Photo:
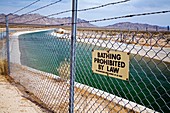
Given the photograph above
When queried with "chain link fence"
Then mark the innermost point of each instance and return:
(38, 57)
(40, 61)
(37, 60)
(147, 89)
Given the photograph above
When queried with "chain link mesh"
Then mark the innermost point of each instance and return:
(44, 69)
(147, 89)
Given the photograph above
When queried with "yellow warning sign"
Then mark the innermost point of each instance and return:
(111, 63)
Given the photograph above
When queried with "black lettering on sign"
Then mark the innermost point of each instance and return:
(118, 56)
(109, 56)
(122, 64)
(112, 69)
(96, 60)
(100, 67)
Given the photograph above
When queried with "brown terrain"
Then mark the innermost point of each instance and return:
(154, 39)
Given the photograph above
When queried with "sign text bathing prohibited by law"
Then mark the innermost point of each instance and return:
(111, 63)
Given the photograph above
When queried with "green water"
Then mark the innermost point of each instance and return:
(149, 83)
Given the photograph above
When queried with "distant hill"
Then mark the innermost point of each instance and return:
(44, 20)
(56, 21)
(135, 26)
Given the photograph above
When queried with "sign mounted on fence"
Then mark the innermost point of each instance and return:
(111, 63)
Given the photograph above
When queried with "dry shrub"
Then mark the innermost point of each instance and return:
(64, 70)
(1, 44)
(3, 67)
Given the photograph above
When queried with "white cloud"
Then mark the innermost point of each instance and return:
(132, 7)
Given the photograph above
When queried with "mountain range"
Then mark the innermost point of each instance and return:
(136, 26)
(39, 19)
(42, 20)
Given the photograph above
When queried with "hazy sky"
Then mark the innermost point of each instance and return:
(132, 7)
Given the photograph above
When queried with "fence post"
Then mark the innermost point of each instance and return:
(7, 42)
(73, 55)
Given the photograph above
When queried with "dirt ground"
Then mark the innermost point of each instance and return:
(14, 98)
(54, 93)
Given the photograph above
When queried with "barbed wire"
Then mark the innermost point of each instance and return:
(131, 15)
(105, 19)
(48, 16)
(21, 9)
(104, 5)
(125, 16)
(91, 8)
(85, 9)
(37, 9)
(26, 7)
